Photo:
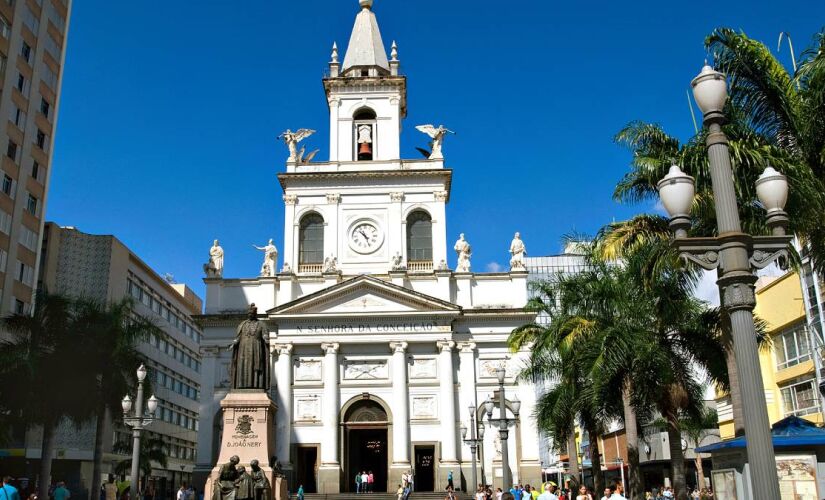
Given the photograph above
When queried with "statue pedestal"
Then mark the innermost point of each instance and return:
(249, 433)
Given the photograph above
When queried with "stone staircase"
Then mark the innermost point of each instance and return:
(416, 495)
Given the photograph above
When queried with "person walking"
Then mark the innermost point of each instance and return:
(549, 492)
(61, 492)
(400, 492)
(370, 481)
(364, 480)
(358, 482)
(8, 491)
(583, 494)
(450, 480)
(301, 492)
(618, 492)
(181, 495)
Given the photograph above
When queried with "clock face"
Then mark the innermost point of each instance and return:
(365, 237)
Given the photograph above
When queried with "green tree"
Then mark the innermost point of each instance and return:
(153, 450)
(694, 430)
(111, 333)
(42, 377)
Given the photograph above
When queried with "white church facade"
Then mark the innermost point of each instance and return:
(379, 350)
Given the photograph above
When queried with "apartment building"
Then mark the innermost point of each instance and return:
(32, 53)
(103, 268)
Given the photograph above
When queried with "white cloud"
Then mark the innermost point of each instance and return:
(494, 267)
(706, 289)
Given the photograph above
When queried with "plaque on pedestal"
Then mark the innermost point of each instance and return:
(244, 471)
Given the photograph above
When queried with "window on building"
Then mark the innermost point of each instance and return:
(4, 257)
(28, 238)
(419, 237)
(311, 240)
(792, 346)
(5, 27)
(45, 107)
(25, 274)
(36, 171)
(5, 222)
(26, 52)
(8, 184)
(19, 307)
(41, 140)
(51, 46)
(800, 398)
(31, 204)
(23, 84)
(49, 77)
(17, 116)
(30, 20)
(11, 150)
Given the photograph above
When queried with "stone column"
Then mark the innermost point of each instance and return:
(448, 415)
(466, 398)
(283, 381)
(400, 413)
(329, 471)
(290, 257)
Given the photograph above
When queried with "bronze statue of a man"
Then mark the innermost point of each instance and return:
(250, 368)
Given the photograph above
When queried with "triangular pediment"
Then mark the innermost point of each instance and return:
(364, 295)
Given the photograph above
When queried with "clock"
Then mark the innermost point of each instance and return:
(365, 237)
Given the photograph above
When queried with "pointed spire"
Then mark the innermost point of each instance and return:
(394, 52)
(334, 53)
(366, 48)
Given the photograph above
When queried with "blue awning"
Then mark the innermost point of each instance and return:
(788, 432)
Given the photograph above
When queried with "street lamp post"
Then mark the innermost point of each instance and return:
(503, 424)
(137, 423)
(473, 441)
(735, 254)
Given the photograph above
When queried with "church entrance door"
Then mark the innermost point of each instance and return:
(307, 469)
(424, 474)
(365, 444)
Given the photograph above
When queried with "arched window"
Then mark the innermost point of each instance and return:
(311, 240)
(419, 237)
(364, 132)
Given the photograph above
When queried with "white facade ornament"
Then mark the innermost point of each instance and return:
(333, 198)
(287, 269)
(334, 57)
(366, 370)
(394, 52)
(440, 195)
(437, 135)
(398, 263)
(399, 346)
(292, 139)
(270, 266)
(464, 251)
(214, 268)
(517, 253)
(330, 348)
(445, 345)
(331, 264)
(290, 199)
(364, 134)
(397, 197)
(442, 266)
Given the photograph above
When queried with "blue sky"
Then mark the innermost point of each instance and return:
(169, 112)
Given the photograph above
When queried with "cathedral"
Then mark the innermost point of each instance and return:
(384, 344)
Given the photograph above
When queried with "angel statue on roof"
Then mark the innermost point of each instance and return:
(292, 139)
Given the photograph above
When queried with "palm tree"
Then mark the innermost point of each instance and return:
(40, 375)
(112, 333)
(153, 450)
(694, 430)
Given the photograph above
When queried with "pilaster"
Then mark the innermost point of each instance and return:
(401, 414)
(447, 397)
(329, 473)
(290, 229)
(283, 382)
(464, 289)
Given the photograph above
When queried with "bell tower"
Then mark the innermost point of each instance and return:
(366, 96)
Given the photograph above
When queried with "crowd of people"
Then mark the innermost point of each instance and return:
(551, 491)
(10, 490)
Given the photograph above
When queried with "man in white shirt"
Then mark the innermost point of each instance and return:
(549, 493)
(618, 491)
(607, 494)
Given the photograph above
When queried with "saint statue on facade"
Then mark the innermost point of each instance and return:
(214, 268)
(398, 262)
(270, 265)
(437, 134)
(464, 251)
(331, 264)
(517, 253)
(292, 139)
(250, 366)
